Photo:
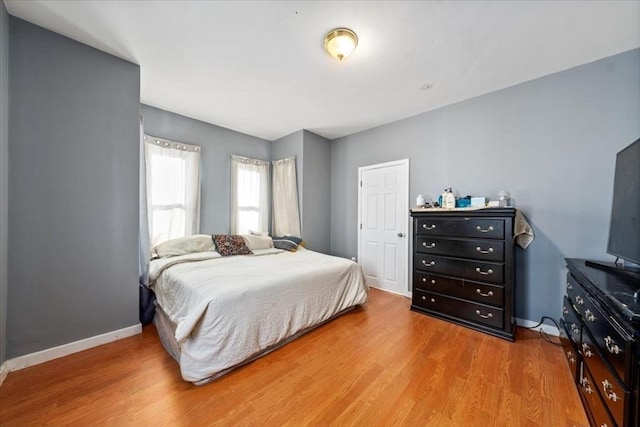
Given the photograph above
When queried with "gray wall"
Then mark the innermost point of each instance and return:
(313, 169)
(313, 172)
(550, 142)
(287, 146)
(73, 192)
(4, 173)
(316, 191)
(217, 145)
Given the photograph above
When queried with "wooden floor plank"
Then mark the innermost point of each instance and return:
(379, 365)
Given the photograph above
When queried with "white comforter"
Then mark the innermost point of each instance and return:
(228, 309)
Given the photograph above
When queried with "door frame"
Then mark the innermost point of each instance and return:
(405, 243)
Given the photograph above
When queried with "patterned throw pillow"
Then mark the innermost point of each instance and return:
(231, 244)
(288, 243)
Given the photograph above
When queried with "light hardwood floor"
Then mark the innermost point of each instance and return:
(379, 365)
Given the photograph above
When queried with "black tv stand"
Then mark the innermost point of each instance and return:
(601, 304)
(613, 268)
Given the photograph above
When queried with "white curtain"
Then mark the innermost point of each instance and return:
(286, 217)
(249, 195)
(173, 188)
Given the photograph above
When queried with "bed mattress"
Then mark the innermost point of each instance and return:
(220, 312)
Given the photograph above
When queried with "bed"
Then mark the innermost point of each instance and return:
(215, 313)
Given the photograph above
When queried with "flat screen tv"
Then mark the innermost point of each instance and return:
(624, 228)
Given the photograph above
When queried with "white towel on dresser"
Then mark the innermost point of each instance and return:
(522, 231)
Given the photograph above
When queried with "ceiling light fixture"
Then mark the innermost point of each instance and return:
(340, 42)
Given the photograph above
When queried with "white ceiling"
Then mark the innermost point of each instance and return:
(258, 67)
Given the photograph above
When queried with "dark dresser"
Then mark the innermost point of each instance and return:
(599, 332)
(463, 268)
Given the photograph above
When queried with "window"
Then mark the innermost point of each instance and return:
(249, 195)
(173, 189)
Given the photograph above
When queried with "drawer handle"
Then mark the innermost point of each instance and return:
(589, 315)
(586, 350)
(607, 387)
(433, 281)
(484, 316)
(484, 230)
(575, 329)
(579, 300)
(431, 245)
(424, 298)
(488, 251)
(430, 264)
(569, 286)
(564, 310)
(611, 345)
(584, 382)
(424, 280)
(431, 227)
(486, 273)
(433, 300)
(488, 294)
(571, 357)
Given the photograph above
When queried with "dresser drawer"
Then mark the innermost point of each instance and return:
(468, 269)
(576, 294)
(614, 394)
(483, 293)
(485, 228)
(614, 344)
(572, 322)
(616, 347)
(465, 310)
(484, 250)
(570, 351)
(589, 393)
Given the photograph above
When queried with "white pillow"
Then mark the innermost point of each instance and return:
(257, 242)
(185, 245)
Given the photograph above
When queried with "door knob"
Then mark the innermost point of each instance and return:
(400, 235)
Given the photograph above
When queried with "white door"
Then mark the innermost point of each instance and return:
(383, 211)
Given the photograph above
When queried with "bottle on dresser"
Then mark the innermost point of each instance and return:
(449, 200)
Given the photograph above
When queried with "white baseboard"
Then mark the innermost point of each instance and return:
(66, 349)
(547, 328)
(3, 372)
